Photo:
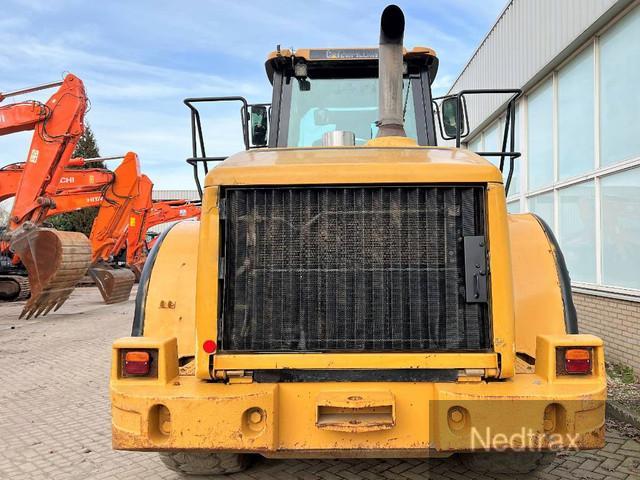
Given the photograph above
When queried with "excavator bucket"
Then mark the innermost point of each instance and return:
(55, 262)
(115, 284)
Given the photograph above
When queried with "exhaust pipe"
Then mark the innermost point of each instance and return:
(390, 68)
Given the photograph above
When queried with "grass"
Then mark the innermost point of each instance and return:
(621, 372)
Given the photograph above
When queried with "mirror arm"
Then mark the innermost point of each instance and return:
(458, 119)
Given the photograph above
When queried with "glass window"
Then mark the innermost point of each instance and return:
(513, 207)
(542, 205)
(351, 104)
(577, 226)
(576, 116)
(493, 138)
(493, 141)
(619, 99)
(620, 204)
(515, 178)
(475, 145)
(540, 136)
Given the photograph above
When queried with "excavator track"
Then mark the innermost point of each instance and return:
(14, 288)
(114, 284)
(55, 262)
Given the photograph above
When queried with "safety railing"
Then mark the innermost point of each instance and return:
(462, 126)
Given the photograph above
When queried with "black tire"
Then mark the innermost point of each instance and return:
(506, 462)
(204, 463)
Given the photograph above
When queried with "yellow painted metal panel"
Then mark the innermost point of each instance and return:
(218, 416)
(502, 316)
(538, 300)
(353, 165)
(170, 304)
(207, 279)
(356, 360)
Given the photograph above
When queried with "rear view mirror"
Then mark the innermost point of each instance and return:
(259, 122)
(450, 106)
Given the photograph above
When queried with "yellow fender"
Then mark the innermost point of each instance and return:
(166, 299)
(543, 304)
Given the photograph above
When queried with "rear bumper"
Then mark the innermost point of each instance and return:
(349, 419)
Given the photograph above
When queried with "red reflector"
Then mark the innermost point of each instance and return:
(577, 360)
(137, 363)
(209, 346)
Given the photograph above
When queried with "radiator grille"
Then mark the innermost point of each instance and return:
(350, 268)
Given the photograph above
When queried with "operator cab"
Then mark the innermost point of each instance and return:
(319, 92)
(316, 91)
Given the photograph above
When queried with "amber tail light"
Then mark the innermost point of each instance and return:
(574, 361)
(138, 363)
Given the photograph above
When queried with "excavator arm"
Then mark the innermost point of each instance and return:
(136, 231)
(109, 230)
(55, 261)
(57, 126)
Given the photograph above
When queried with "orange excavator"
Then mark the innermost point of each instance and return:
(55, 261)
(109, 230)
(82, 189)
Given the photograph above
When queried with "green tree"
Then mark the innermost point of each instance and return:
(81, 220)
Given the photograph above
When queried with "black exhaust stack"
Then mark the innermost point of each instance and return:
(390, 69)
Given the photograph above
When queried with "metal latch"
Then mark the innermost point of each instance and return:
(475, 269)
(239, 376)
(221, 268)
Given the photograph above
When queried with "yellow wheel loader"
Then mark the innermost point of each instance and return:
(354, 290)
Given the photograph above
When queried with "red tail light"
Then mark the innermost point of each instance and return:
(137, 364)
(209, 346)
(577, 361)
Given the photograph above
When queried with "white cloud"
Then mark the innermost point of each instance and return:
(139, 60)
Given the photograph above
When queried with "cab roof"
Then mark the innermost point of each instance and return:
(361, 61)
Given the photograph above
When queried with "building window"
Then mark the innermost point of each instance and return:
(583, 169)
(490, 140)
(619, 207)
(475, 145)
(619, 98)
(577, 230)
(576, 144)
(493, 141)
(542, 205)
(540, 136)
(514, 188)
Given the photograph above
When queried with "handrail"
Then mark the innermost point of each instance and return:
(197, 135)
(462, 126)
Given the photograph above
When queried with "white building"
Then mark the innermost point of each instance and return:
(578, 128)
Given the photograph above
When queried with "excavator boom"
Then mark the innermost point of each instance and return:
(55, 261)
(57, 129)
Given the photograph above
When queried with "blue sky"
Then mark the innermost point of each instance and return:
(140, 59)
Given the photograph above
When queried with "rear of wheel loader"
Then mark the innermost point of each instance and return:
(355, 293)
